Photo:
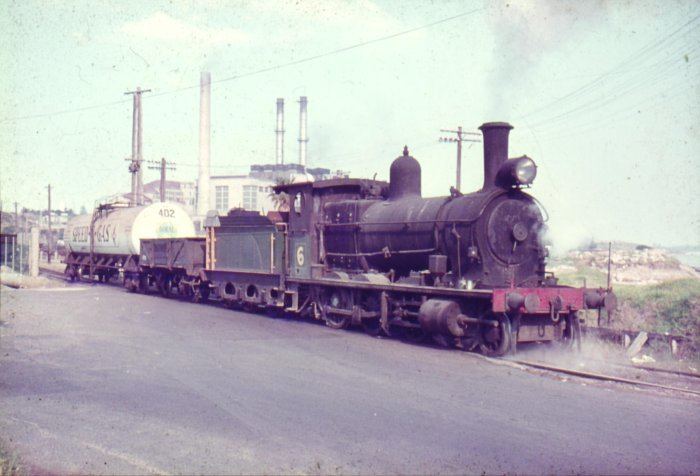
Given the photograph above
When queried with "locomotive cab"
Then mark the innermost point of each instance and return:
(308, 201)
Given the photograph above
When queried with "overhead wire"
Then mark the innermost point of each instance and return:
(648, 48)
(616, 93)
(252, 73)
(665, 71)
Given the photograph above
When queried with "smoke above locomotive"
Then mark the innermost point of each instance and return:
(119, 231)
(488, 238)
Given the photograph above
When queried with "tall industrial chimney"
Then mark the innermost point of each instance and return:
(303, 138)
(279, 151)
(495, 149)
(204, 143)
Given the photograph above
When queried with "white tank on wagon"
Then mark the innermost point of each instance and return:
(118, 231)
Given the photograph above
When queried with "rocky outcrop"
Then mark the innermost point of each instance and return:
(640, 265)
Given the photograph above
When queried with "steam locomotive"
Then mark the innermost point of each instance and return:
(467, 270)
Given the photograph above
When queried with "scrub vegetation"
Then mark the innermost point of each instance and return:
(668, 307)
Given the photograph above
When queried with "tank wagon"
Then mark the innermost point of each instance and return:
(467, 270)
(109, 240)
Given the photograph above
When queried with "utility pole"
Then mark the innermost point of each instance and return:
(50, 236)
(136, 143)
(460, 138)
(162, 166)
(16, 220)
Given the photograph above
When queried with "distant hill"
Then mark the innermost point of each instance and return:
(630, 263)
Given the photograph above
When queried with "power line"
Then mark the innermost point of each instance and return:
(619, 91)
(259, 71)
(654, 45)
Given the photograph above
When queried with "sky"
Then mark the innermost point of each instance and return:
(603, 95)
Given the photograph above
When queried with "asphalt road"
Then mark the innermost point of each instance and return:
(95, 380)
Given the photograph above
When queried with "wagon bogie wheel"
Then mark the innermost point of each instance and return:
(144, 284)
(495, 341)
(165, 286)
(339, 299)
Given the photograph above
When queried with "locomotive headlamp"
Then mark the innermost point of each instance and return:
(516, 172)
(525, 170)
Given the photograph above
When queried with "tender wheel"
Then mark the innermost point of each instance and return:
(144, 285)
(201, 293)
(339, 299)
(496, 341)
(131, 284)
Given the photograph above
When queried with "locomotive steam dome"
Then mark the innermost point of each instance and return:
(404, 177)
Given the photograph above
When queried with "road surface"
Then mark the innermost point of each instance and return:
(96, 380)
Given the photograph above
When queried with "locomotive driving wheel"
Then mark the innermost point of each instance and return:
(371, 325)
(571, 335)
(340, 299)
(413, 333)
(496, 340)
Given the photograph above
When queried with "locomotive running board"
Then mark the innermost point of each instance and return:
(394, 287)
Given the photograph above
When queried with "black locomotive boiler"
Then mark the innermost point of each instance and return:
(467, 270)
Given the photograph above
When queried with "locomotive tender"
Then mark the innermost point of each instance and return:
(467, 270)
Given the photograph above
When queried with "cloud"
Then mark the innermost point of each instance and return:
(162, 27)
(364, 15)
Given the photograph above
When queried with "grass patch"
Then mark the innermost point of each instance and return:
(594, 278)
(671, 306)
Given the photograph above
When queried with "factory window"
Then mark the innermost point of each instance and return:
(222, 198)
(250, 197)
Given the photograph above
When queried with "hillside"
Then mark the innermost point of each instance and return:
(629, 264)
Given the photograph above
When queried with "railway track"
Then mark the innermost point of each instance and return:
(692, 378)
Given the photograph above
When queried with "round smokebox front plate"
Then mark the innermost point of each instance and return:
(513, 229)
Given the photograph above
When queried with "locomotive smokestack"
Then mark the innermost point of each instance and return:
(303, 139)
(495, 149)
(204, 143)
(279, 150)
